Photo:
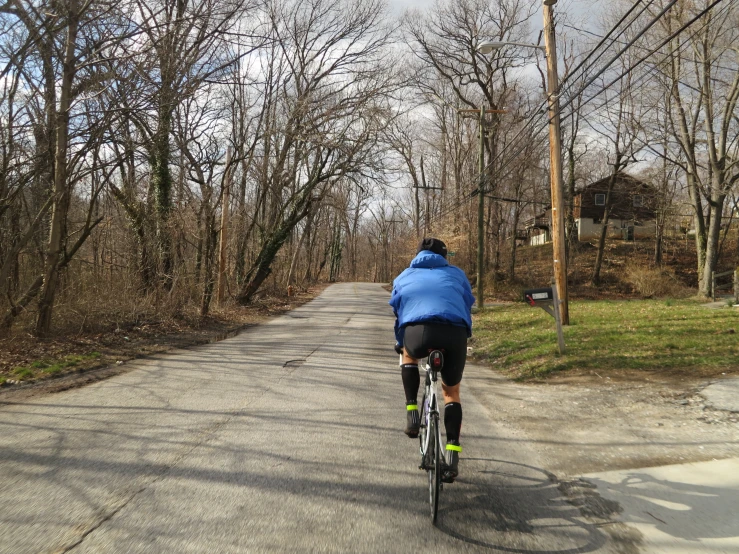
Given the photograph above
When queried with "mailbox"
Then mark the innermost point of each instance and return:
(546, 299)
(534, 296)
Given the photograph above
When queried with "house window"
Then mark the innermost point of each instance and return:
(600, 199)
(638, 201)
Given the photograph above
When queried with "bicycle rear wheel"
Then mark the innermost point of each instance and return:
(434, 471)
(423, 431)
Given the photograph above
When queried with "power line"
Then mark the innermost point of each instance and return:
(652, 51)
(587, 32)
(603, 89)
(589, 82)
(571, 76)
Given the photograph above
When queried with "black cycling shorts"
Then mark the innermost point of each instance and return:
(419, 338)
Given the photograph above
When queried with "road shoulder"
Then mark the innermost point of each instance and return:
(597, 434)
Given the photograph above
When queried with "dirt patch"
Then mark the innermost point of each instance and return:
(679, 377)
(582, 424)
(80, 359)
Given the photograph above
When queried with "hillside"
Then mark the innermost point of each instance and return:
(628, 270)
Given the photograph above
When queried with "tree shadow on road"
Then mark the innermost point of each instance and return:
(512, 507)
(686, 511)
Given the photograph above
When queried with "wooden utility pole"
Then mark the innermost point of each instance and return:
(555, 164)
(480, 300)
(222, 258)
(481, 215)
(426, 216)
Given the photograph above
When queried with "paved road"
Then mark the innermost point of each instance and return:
(723, 394)
(286, 438)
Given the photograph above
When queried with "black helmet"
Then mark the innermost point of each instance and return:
(434, 245)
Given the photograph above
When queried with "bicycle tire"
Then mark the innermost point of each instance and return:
(434, 471)
(422, 431)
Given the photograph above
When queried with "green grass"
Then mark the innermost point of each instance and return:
(23, 372)
(40, 368)
(652, 335)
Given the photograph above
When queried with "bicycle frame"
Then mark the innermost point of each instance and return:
(429, 409)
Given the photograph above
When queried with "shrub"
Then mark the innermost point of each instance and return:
(652, 282)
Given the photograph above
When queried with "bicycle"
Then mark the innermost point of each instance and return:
(430, 432)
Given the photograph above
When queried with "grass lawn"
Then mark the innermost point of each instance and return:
(670, 336)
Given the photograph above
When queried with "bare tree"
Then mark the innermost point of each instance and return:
(66, 42)
(324, 117)
(703, 83)
(618, 122)
(445, 41)
(180, 45)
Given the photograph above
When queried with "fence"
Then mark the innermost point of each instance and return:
(725, 286)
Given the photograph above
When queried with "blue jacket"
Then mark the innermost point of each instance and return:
(431, 290)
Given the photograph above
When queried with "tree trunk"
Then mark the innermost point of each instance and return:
(512, 265)
(335, 254)
(210, 241)
(570, 221)
(699, 223)
(162, 184)
(262, 266)
(20, 304)
(595, 280)
(712, 244)
(296, 254)
(57, 228)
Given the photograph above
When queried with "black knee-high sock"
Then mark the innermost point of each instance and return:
(453, 421)
(411, 381)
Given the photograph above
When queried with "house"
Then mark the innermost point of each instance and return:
(632, 212)
(632, 209)
(538, 229)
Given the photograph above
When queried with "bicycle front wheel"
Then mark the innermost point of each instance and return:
(434, 471)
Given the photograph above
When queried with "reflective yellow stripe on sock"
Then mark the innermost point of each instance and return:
(454, 447)
(410, 407)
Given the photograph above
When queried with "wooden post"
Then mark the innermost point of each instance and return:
(555, 163)
(736, 285)
(557, 305)
(222, 257)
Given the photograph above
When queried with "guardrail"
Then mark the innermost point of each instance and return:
(727, 286)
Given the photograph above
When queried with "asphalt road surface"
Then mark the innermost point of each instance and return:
(286, 438)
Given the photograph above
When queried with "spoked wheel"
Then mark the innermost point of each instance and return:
(434, 466)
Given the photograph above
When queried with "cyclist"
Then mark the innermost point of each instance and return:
(432, 300)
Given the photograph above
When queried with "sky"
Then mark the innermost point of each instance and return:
(582, 14)
(584, 10)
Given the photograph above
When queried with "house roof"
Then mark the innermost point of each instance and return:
(623, 181)
(623, 199)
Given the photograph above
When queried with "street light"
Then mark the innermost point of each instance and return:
(488, 46)
(555, 152)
